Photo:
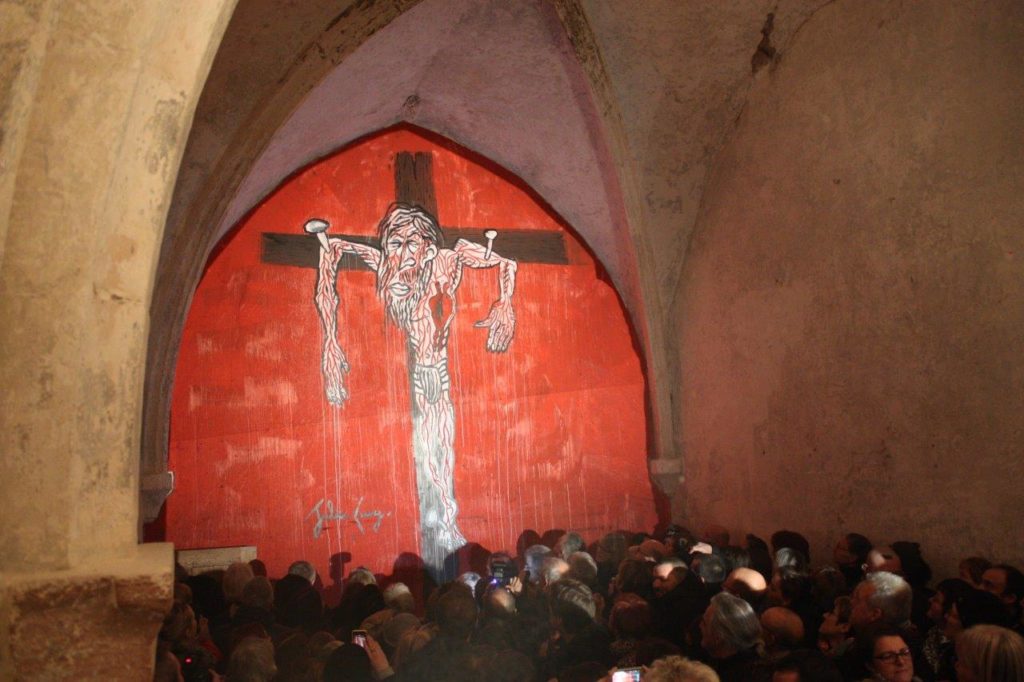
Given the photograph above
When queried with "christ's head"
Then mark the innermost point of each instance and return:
(410, 239)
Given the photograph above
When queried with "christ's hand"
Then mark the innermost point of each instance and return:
(502, 323)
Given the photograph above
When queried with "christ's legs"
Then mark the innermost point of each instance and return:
(434, 454)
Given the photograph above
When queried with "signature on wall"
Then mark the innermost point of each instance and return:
(324, 512)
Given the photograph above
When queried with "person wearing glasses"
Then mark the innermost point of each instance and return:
(886, 657)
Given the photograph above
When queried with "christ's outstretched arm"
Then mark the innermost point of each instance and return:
(334, 365)
(501, 320)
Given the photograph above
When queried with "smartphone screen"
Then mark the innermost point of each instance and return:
(626, 675)
(359, 638)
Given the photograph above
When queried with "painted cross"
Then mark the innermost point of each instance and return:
(417, 279)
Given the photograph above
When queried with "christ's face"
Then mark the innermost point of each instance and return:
(404, 272)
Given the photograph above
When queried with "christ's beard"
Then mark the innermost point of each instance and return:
(402, 309)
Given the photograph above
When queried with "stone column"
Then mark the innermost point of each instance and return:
(96, 98)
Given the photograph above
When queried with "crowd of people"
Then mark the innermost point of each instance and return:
(631, 606)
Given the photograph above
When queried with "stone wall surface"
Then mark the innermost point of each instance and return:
(851, 308)
(97, 98)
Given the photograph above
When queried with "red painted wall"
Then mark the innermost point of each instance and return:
(550, 434)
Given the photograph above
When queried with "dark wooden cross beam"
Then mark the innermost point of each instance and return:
(414, 184)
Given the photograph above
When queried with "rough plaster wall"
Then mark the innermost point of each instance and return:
(852, 305)
(678, 75)
(101, 126)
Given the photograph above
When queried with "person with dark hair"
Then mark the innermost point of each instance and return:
(633, 577)
(850, 555)
(976, 607)
(629, 622)
(972, 569)
(791, 588)
(885, 655)
(610, 551)
(1007, 583)
(734, 557)
(348, 663)
(760, 557)
(679, 600)
(937, 649)
(792, 540)
(835, 627)
(711, 570)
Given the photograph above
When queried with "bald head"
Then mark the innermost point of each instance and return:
(782, 628)
(746, 583)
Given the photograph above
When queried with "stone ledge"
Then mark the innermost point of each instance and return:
(95, 621)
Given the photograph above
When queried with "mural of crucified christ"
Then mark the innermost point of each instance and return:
(417, 279)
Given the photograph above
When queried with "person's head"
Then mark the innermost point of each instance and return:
(252, 660)
(179, 625)
(303, 569)
(456, 614)
(668, 574)
(782, 628)
(835, 626)
(399, 597)
(882, 558)
(236, 577)
(734, 557)
(1007, 583)
(533, 557)
(348, 663)
(361, 576)
(258, 594)
(972, 568)
(729, 626)
(885, 654)
(915, 569)
(679, 669)
(827, 584)
(258, 567)
(567, 544)
(572, 605)
(711, 570)
(499, 603)
(788, 558)
(747, 584)
(634, 576)
(792, 540)
(788, 586)
(986, 653)
(630, 617)
(880, 598)
(611, 549)
(582, 567)
(946, 594)
(553, 569)
(410, 239)
(976, 607)
(851, 550)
